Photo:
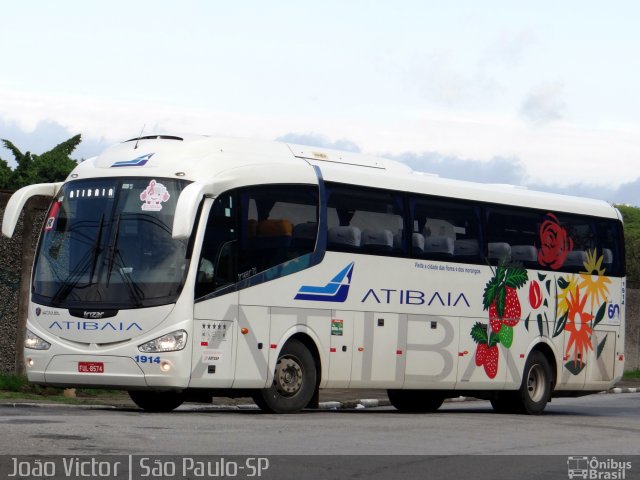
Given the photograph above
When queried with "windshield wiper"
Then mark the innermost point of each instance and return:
(89, 258)
(134, 290)
(113, 248)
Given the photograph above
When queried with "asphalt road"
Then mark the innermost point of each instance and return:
(462, 440)
(603, 424)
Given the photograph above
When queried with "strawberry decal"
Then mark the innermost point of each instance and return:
(501, 297)
(487, 353)
(501, 300)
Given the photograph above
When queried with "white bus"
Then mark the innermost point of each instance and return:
(180, 268)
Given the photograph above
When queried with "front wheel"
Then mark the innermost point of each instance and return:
(535, 391)
(415, 401)
(152, 401)
(294, 381)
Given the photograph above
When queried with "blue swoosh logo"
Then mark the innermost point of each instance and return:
(336, 290)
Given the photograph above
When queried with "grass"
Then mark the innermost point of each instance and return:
(631, 374)
(17, 387)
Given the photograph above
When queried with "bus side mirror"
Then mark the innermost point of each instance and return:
(18, 199)
(187, 209)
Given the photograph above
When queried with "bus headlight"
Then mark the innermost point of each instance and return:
(34, 342)
(170, 342)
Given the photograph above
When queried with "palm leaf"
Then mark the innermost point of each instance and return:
(479, 333)
(599, 315)
(516, 277)
(601, 347)
(575, 367)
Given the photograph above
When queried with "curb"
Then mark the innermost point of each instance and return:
(360, 404)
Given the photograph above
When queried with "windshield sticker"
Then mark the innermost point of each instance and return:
(153, 196)
(53, 214)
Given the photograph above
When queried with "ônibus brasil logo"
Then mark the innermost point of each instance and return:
(335, 291)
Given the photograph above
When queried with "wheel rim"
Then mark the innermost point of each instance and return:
(536, 383)
(288, 378)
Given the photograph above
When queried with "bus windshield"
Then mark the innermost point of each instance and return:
(107, 243)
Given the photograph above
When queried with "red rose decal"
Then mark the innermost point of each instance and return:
(554, 243)
(535, 296)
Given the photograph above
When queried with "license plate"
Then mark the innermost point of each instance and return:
(91, 367)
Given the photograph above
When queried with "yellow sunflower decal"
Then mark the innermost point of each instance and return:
(578, 327)
(592, 281)
(563, 294)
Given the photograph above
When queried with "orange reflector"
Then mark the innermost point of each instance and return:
(244, 330)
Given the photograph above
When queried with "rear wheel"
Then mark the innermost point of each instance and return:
(535, 391)
(294, 381)
(415, 401)
(151, 401)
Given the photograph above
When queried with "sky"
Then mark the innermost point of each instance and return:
(541, 94)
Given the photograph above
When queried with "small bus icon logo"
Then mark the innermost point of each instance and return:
(578, 467)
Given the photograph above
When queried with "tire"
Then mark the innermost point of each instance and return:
(152, 401)
(415, 401)
(535, 391)
(294, 381)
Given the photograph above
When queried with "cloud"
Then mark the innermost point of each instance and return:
(510, 47)
(45, 136)
(511, 170)
(319, 140)
(496, 170)
(439, 78)
(544, 104)
(628, 193)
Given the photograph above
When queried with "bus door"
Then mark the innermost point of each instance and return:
(215, 295)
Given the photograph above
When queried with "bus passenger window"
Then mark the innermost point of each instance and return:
(610, 247)
(512, 236)
(365, 221)
(278, 223)
(445, 230)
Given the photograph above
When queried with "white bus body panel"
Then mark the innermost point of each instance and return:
(405, 323)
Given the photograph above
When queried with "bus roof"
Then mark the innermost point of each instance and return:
(210, 159)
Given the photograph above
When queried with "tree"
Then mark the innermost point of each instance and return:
(631, 216)
(51, 166)
(5, 175)
(632, 247)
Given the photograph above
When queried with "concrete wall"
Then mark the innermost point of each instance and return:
(632, 333)
(15, 262)
(16, 257)
(10, 252)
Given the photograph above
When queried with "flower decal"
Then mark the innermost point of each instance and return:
(593, 281)
(535, 295)
(555, 244)
(579, 329)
